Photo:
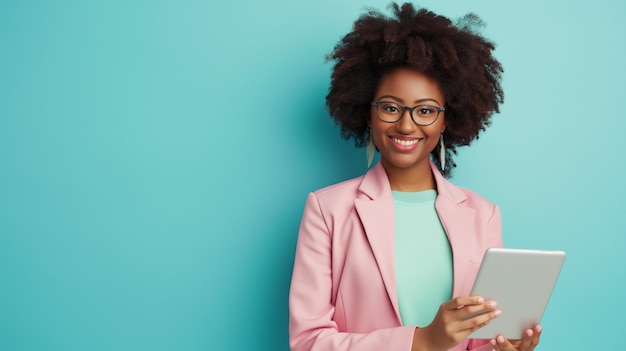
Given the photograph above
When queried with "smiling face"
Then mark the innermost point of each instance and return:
(404, 145)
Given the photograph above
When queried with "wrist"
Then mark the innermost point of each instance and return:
(421, 340)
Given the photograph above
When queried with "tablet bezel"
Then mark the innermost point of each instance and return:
(521, 282)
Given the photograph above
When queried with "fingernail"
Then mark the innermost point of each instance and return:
(497, 313)
(529, 333)
(501, 339)
(493, 304)
(481, 300)
(493, 342)
(538, 329)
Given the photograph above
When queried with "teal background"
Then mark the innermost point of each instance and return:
(155, 157)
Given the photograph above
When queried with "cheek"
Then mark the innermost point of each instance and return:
(378, 139)
(375, 133)
(433, 136)
(373, 126)
(434, 141)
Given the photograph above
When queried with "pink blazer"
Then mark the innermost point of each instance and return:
(343, 289)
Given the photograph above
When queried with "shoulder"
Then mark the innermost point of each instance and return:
(459, 195)
(475, 199)
(467, 198)
(341, 189)
(337, 198)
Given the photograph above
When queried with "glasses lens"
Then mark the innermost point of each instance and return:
(425, 114)
(389, 111)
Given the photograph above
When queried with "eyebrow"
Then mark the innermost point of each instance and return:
(402, 101)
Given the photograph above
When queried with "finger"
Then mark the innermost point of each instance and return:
(500, 343)
(527, 338)
(535, 339)
(494, 345)
(478, 321)
(475, 310)
(462, 301)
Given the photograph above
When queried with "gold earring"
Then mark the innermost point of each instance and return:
(370, 149)
(442, 152)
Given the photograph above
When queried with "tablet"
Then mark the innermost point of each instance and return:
(521, 282)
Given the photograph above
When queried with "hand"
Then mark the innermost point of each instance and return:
(455, 320)
(529, 341)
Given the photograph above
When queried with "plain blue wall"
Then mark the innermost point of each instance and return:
(155, 157)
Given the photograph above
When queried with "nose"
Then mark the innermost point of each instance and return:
(406, 124)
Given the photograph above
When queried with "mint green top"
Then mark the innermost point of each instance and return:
(423, 257)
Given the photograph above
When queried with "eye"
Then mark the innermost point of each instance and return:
(389, 107)
(426, 110)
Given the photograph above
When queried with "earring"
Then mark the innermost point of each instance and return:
(370, 149)
(442, 153)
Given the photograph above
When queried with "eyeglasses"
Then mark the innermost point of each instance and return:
(392, 112)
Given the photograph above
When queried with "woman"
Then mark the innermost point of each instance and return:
(386, 261)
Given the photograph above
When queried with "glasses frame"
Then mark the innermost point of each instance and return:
(410, 109)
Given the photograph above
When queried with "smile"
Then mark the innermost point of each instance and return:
(404, 142)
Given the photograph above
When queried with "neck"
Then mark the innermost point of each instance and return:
(410, 179)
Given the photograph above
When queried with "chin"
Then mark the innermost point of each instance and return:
(408, 164)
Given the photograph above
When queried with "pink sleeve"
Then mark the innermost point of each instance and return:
(494, 237)
(311, 310)
(494, 227)
(480, 345)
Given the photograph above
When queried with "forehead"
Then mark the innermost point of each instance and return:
(409, 85)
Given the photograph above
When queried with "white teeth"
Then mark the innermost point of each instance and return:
(405, 142)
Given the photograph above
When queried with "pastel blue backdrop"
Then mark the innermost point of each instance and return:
(155, 157)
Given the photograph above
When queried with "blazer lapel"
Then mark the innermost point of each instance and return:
(458, 222)
(375, 210)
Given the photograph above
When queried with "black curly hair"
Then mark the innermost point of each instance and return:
(456, 55)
